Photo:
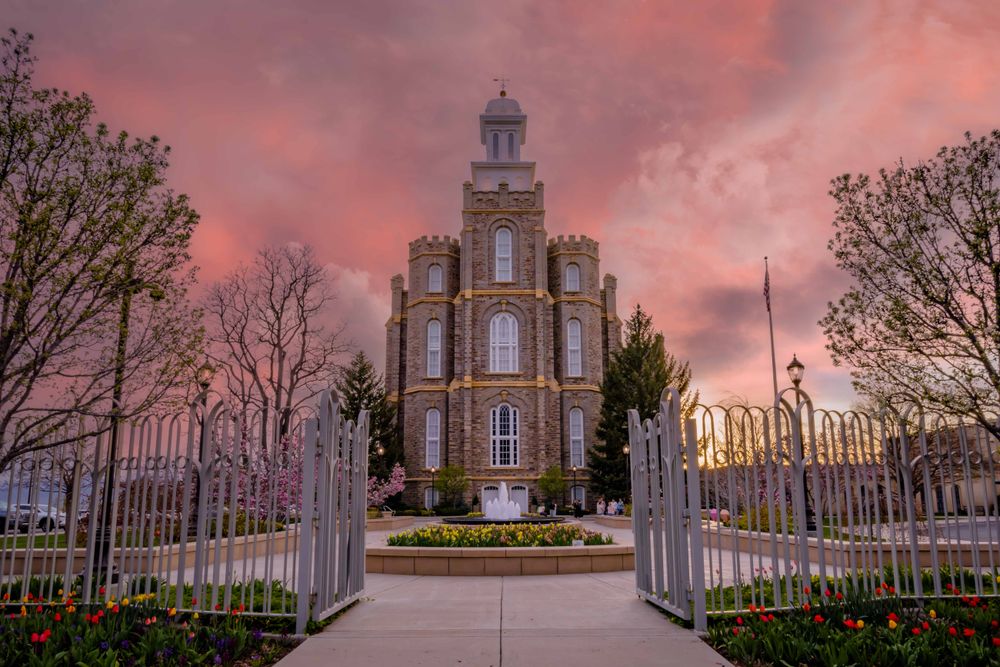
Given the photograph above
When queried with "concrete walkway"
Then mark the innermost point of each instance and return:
(580, 620)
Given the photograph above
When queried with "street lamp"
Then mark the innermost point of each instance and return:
(203, 376)
(796, 371)
(131, 287)
(380, 452)
(433, 490)
(572, 495)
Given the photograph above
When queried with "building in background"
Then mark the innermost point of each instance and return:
(499, 338)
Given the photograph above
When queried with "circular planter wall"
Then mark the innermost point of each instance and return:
(499, 561)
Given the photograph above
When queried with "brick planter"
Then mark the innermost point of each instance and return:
(499, 561)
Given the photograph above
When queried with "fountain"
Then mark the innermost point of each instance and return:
(502, 510)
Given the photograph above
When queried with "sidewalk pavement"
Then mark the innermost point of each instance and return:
(582, 620)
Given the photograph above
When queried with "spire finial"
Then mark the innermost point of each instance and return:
(503, 86)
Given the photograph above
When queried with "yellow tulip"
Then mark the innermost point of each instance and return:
(933, 614)
(892, 625)
(861, 625)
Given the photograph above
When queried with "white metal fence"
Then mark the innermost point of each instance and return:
(742, 505)
(211, 510)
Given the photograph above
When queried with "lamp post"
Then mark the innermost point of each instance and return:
(380, 452)
(433, 490)
(132, 287)
(203, 376)
(628, 476)
(572, 496)
(796, 371)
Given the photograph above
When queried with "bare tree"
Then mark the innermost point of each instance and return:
(270, 332)
(93, 267)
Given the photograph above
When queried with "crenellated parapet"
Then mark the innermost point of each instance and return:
(503, 198)
(445, 245)
(573, 244)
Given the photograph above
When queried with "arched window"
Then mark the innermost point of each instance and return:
(519, 494)
(510, 145)
(579, 493)
(576, 437)
(432, 439)
(430, 498)
(574, 361)
(496, 145)
(434, 349)
(572, 278)
(434, 278)
(503, 436)
(504, 251)
(503, 343)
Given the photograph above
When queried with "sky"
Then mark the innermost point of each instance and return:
(689, 139)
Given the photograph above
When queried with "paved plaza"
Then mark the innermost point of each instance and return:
(581, 620)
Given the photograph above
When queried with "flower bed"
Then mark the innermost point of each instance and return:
(865, 629)
(130, 631)
(530, 535)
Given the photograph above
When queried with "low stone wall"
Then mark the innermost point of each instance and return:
(613, 521)
(54, 561)
(961, 553)
(389, 523)
(499, 561)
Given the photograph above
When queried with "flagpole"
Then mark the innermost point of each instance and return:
(770, 325)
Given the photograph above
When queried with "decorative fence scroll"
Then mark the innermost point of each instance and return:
(213, 509)
(745, 505)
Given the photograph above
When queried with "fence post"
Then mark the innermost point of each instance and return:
(694, 524)
(303, 589)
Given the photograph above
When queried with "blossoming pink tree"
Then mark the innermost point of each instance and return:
(380, 490)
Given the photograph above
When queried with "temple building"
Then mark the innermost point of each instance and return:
(499, 337)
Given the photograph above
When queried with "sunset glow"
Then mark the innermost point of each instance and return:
(689, 140)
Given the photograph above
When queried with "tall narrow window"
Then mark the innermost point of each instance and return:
(574, 361)
(572, 278)
(510, 146)
(576, 437)
(430, 498)
(578, 493)
(503, 343)
(496, 145)
(434, 278)
(432, 439)
(434, 349)
(504, 250)
(503, 436)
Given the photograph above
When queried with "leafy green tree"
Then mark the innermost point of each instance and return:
(94, 267)
(361, 387)
(452, 484)
(921, 244)
(636, 377)
(552, 484)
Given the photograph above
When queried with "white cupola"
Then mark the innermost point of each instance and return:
(502, 130)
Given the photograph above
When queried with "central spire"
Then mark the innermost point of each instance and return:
(503, 128)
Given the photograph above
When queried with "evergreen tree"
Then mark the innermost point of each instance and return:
(362, 388)
(636, 377)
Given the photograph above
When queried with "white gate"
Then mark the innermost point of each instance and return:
(661, 521)
(900, 500)
(332, 547)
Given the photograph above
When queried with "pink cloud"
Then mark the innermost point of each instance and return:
(689, 139)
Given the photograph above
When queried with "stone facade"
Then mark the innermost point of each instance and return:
(475, 392)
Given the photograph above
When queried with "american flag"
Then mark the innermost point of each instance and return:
(767, 287)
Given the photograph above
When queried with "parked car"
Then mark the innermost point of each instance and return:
(10, 518)
(23, 517)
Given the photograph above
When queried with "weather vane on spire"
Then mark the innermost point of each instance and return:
(503, 86)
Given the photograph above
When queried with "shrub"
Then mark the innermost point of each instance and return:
(759, 519)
